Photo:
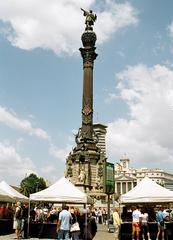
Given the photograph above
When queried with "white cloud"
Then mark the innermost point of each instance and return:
(148, 134)
(115, 17)
(60, 153)
(57, 25)
(52, 173)
(49, 169)
(11, 120)
(170, 29)
(12, 164)
(111, 97)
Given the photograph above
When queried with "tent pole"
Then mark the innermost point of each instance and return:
(28, 218)
(86, 227)
(108, 207)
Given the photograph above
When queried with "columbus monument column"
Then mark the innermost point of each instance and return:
(85, 164)
(88, 54)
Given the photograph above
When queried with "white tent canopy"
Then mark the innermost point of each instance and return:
(61, 191)
(12, 193)
(147, 191)
(4, 197)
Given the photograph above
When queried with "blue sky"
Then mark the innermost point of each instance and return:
(41, 83)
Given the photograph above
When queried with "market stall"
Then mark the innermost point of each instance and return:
(12, 193)
(147, 193)
(5, 224)
(8, 195)
(62, 191)
(4, 196)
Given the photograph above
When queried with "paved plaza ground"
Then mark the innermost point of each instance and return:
(102, 234)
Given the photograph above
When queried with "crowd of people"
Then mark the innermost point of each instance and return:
(140, 219)
(6, 211)
(74, 223)
(20, 220)
(18, 213)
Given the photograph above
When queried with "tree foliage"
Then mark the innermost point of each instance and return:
(32, 184)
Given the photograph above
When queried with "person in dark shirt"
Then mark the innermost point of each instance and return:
(54, 215)
(89, 228)
(24, 223)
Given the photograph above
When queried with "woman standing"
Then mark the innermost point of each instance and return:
(17, 219)
(75, 232)
(116, 223)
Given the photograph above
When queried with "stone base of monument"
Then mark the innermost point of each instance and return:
(82, 187)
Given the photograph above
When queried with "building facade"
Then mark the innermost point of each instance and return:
(100, 132)
(127, 177)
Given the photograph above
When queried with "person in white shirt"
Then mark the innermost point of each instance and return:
(63, 226)
(144, 224)
(136, 223)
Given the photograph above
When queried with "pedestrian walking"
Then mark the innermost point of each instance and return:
(116, 223)
(63, 226)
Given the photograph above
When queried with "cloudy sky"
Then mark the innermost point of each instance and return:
(41, 83)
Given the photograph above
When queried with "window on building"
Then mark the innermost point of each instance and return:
(118, 188)
(134, 184)
(129, 186)
(123, 187)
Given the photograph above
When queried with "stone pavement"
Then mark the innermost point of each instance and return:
(102, 234)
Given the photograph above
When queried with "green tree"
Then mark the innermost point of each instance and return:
(32, 184)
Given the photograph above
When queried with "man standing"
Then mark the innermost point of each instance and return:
(116, 223)
(24, 219)
(136, 214)
(160, 223)
(64, 223)
(144, 224)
